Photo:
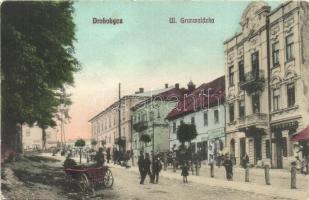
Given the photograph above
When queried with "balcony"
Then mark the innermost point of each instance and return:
(252, 81)
(140, 126)
(254, 120)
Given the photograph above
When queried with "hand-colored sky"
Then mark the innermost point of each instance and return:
(146, 50)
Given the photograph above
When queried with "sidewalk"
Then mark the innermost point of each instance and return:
(256, 185)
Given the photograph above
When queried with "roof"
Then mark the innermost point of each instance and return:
(172, 94)
(302, 135)
(198, 99)
(142, 96)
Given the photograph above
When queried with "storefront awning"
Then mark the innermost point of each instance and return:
(302, 135)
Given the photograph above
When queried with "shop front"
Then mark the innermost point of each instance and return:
(281, 143)
(216, 138)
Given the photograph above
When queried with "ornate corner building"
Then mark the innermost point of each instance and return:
(266, 75)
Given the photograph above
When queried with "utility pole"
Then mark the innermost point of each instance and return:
(119, 118)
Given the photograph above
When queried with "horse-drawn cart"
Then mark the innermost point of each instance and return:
(89, 177)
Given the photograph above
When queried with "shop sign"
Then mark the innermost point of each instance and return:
(285, 126)
(216, 133)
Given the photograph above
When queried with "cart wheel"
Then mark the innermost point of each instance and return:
(108, 179)
(83, 183)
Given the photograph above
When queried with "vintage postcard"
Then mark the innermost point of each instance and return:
(147, 100)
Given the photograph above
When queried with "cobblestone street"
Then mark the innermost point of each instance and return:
(43, 178)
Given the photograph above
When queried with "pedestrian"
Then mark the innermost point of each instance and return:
(99, 157)
(146, 171)
(140, 164)
(156, 168)
(185, 172)
(211, 164)
(228, 167)
(245, 160)
(108, 154)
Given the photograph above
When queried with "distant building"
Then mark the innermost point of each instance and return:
(32, 137)
(149, 118)
(266, 70)
(105, 125)
(204, 107)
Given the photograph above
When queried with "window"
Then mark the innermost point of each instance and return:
(192, 120)
(275, 48)
(231, 75)
(114, 120)
(231, 110)
(216, 116)
(174, 127)
(267, 147)
(27, 132)
(256, 103)
(276, 97)
(284, 147)
(289, 47)
(241, 109)
(255, 63)
(206, 118)
(241, 71)
(291, 94)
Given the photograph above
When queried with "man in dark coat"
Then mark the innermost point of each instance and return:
(156, 168)
(228, 168)
(140, 164)
(146, 166)
(108, 154)
(99, 157)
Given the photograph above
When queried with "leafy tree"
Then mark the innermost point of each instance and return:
(37, 64)
(94, 142)
(145, 138)
(186, 133)
(80, 143)
(103, 143)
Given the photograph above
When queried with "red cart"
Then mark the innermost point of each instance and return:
(90, 178)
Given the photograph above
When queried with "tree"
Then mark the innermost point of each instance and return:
(80, 143)
(145, 138)
(94, 142)
(37, 64)
(103, 143)
(186, 133)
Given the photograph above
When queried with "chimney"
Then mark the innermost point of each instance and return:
(191, 86)
(166, 85)
(177, 85)
(141, 90)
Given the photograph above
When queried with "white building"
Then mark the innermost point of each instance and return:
(32, 137)
(203, 107)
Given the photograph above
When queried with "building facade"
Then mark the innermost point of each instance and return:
(105, 125)
(149, 117)
(203, 107)
(32, 137)
(263, 68)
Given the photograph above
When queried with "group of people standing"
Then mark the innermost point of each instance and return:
(150, 167)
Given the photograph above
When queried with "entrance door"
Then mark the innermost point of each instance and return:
(242, 147)
(257, 149)
(279, 149)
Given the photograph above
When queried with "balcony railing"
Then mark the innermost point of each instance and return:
(252, 81)
(140, 126)
(256, 119)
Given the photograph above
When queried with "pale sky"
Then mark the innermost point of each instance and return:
(146, 50)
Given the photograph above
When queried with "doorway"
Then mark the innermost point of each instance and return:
(258, 149)
(279, 149)
(242, 147)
